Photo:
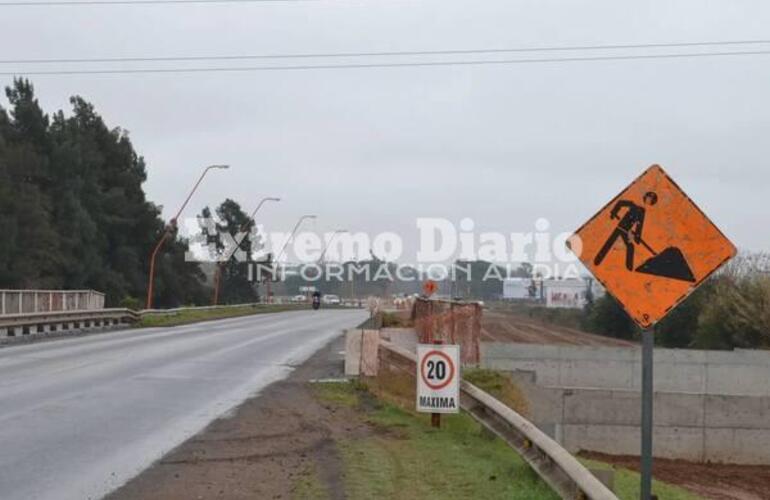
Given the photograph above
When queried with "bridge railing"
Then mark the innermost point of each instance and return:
(58, 322)
(42, 301)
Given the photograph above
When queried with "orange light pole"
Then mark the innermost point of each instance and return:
(171, 225)
(243, 229)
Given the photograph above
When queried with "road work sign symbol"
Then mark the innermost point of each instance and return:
(651, 246)
(438, 378)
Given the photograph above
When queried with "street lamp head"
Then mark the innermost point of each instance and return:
(273, 199)
(223, 167)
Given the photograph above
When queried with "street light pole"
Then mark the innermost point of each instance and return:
(280, 254)
(166, 233)
(329, 242)
(243, 229)
(296, 226)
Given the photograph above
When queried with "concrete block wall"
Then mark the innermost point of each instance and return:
(697, 427)
(739, 372)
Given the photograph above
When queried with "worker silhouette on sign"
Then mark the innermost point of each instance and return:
(628, 230)
(670, 263)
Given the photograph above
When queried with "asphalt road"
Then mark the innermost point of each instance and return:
(81, 416)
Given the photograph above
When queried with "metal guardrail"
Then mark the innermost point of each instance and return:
(15, 325)
(563, 473)
(162, 312)
(29, 324)
(555, 465)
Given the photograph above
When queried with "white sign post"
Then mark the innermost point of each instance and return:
(438, 379)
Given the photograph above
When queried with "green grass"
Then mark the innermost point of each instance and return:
(396, 319)
(627, 484)
(196, 315)
(339, 393)
(407, 459)
(309, 486)
(500, 386)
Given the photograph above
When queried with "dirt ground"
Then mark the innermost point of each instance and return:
(510, 327)
(713, 481)
(263, 450)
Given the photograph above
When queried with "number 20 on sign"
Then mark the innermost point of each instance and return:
(438, 375)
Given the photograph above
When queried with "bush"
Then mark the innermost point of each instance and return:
(607, 317)
(680, 328)
(737, 314)
(131, 303)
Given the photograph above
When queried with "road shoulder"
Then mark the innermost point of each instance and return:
(261, 449)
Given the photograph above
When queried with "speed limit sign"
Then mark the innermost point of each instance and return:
(438, 375)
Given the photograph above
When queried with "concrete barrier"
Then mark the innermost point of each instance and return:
(697, 427)
(28, 327)
(739, 372)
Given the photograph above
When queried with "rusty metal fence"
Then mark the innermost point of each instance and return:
(451, 322)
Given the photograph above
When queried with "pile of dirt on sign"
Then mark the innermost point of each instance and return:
(713, 481)
(498, 326)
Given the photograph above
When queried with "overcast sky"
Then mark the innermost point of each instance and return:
(371, 149)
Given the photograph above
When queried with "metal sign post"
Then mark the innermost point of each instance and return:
(648, 340)
(435, 418)
(650, 247)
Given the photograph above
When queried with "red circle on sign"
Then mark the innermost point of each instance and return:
(451, 370)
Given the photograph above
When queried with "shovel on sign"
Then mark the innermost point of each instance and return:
(670, 263)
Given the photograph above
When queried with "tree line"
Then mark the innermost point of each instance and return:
(74, 215)
(730, 310)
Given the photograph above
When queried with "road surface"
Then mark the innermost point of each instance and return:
(80, 416)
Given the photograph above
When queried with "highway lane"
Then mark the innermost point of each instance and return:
(80, 416)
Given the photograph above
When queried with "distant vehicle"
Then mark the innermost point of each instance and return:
(299, 298)
(316, 300)
(331, 299)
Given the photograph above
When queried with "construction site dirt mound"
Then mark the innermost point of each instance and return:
(499, 326)
(713, 481)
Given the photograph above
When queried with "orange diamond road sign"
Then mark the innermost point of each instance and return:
(651, 246)
(429, 287)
